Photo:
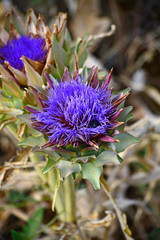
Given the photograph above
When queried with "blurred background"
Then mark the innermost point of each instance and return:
(134, 53)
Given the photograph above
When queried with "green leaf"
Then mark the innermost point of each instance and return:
(5, 121)
(120, 159)
(47, 152)
(59, 55)
(18, 23)
(122, 117)
(7, 103)
(91, 172)
(11, 111)
(30, 229)
(129, 117)
(51, 163)
(54, 73)
(67, 41)
(7, 22)
(25, 118)
(85, 159)
(125, 139)
(34, 132)
(66, 168)
(107, 156)
(81, 50)
(32, 141)
(34, 223)
(17, 235)
(17, 103)
(11, 88)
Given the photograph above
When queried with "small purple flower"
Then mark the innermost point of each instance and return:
(76, 111)
(32, 48)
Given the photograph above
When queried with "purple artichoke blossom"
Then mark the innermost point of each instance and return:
(26, 48)
(77, 110)
(32, 48)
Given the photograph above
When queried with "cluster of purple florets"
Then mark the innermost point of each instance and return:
(73, 112)
(32, 48)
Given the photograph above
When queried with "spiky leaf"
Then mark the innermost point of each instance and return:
(67, 167)
(107, 156)
(91, 172)
(125, 139)
(51, 163)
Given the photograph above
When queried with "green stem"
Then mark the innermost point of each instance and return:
(65, 198)
(69, 195)
(36, 158)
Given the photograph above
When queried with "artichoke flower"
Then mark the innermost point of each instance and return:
(26, 48)
(81, 122)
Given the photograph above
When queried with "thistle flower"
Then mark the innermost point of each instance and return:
(32, 48)
(81, 122)
(78, 110)
(26, 48)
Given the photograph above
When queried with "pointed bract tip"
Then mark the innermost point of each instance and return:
(108, 79)
(49, 80)
(93, 77)
(75, 65)
(66, 76)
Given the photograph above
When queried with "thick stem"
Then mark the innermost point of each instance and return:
(65, 198)
(69, 195)
(36, 158)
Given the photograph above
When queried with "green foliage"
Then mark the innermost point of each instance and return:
(51, 163)
(125, 139)
(91, 172)
(32, 141)
(29, 231)
(107, 156)
(155, 235)
(60, 55)
(67, 167)
(16, 197)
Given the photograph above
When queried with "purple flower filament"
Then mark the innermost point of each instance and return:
(32, 48)
(74, 112)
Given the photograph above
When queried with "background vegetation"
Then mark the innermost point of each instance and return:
(133, 52)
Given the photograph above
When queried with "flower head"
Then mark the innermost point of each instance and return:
(76, 111)
(26, 47)
(32, 48)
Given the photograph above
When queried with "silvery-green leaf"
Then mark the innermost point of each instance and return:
(32, 141)
(107, 156)
(122, 117)
(67, 41)
(85, 159)
(67, 167)
(51, 163)
(11, 111)
(25, 118)
(91, 172)
(125, 139)
(60, 56)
